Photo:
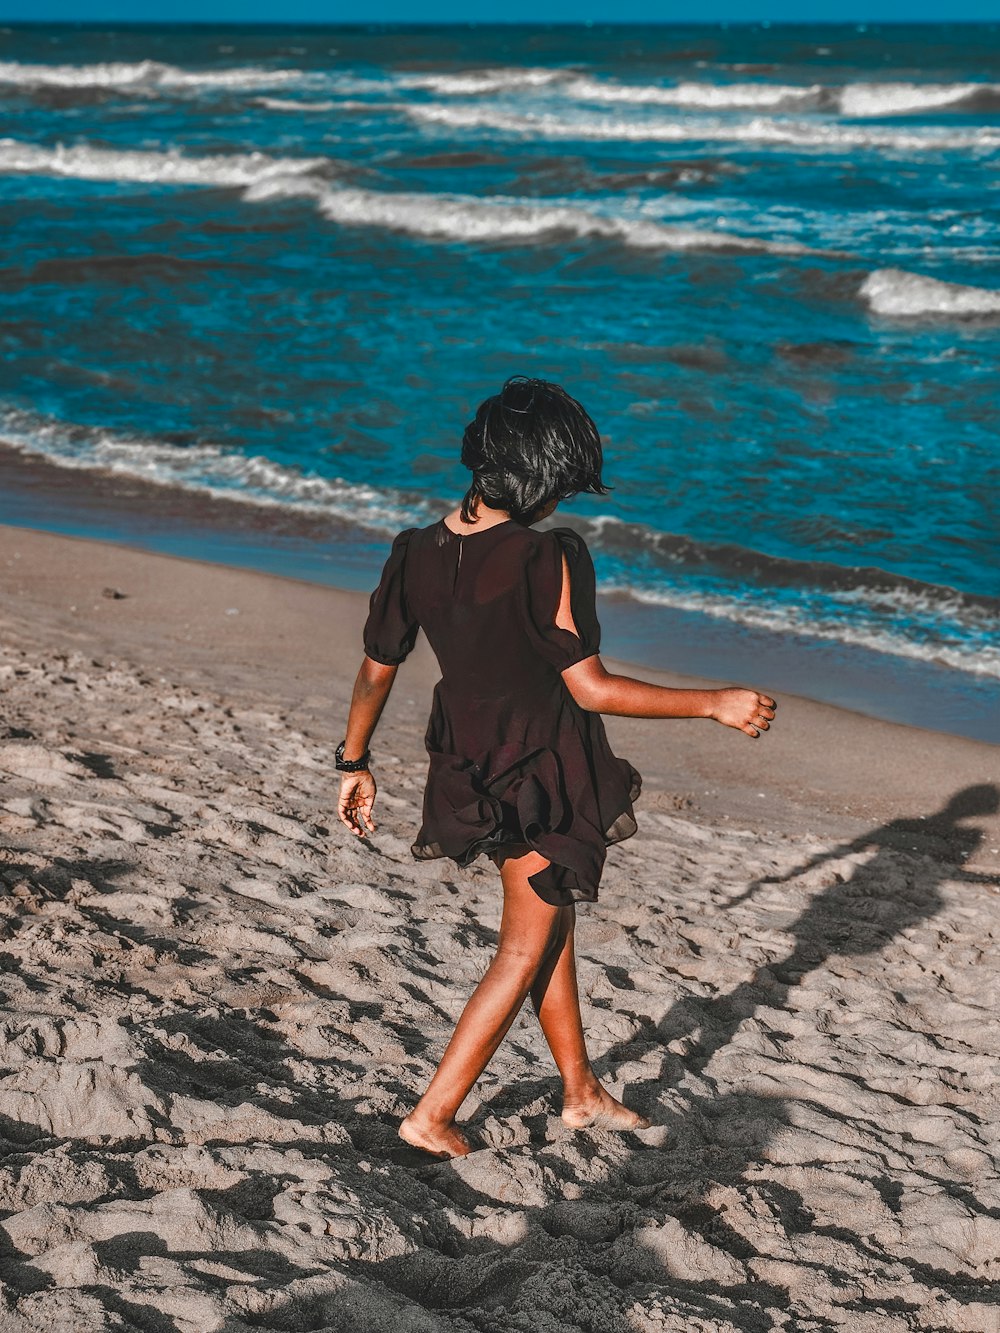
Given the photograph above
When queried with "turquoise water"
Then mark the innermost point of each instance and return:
(285, 266)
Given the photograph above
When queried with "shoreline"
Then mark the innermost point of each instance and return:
(298, 642)
(331, 552)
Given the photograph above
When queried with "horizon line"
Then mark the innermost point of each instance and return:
(368, 24)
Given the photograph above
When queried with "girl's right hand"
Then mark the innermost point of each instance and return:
(357, 797)
(746, 710)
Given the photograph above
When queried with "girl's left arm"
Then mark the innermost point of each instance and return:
(357, 790)
(598, 691)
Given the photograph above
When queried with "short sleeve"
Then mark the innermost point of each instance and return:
(543, 588)
(391, 628)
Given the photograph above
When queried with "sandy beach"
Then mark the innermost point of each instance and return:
(218, 1006)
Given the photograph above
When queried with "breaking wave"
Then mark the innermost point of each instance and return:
(446, 216)
(472, 83)
(706, 96)
(145, 75)
(294, 104)
(854, 100)
(84, 162)
(940, 638)
(871, 100)
(830, 136)
(894, 292)
(900, 99)
(465, 218)
(208, 469)
(862, 606)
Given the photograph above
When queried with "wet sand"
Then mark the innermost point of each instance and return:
(218, 1006)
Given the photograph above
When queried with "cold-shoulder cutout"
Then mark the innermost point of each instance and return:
(543, 588)
(391, 628)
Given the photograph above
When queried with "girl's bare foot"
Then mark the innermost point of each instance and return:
(438, 1140)
(602, 1111)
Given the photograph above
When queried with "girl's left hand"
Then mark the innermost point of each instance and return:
(746, 710)
(357, 797)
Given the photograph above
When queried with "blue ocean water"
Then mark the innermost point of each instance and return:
(284, 267)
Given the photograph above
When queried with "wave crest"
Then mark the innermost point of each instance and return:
(898, 99)
(449, 217)
(863, 100)
(863, 606)
(707, 96)
(471, 83)
(146, 75)
(463, 218)
(902, 295)
(854, 100)
(83, 162)
(579, 126)
(208, 469)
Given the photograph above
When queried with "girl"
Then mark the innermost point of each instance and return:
(520, 766)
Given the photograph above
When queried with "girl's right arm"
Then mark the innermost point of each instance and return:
(358, 790)
(598, 691)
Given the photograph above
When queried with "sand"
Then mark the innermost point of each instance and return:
(218, 1006)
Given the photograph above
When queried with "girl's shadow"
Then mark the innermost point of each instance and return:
(885, 896)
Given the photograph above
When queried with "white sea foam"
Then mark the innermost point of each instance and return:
(144, 75)
(474, 82)
(208, 469)
(823, 135)
(865, 607)
(447, 216)
(894, 292)
(248, 78)
(863, 625)
(897, 99)
(85, 162)
(292, 104)
(710, 96)
(460, 217)
(464, 218)
(856, 100)
(112, 74)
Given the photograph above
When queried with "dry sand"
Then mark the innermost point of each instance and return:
(218, 1006)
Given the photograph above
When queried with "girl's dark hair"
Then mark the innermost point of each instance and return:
(528, 445)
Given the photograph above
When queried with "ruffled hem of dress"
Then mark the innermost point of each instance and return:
(521, 801)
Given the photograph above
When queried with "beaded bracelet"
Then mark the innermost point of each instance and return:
(351, 765)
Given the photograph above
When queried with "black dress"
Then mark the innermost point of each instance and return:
(513, 758)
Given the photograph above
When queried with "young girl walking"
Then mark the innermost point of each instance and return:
(520, 766)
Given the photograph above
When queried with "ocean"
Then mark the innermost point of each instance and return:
(280, 268)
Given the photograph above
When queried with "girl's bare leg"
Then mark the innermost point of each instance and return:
(529, 930)
(556, 1001)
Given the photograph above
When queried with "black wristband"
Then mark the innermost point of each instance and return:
(351, 765)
